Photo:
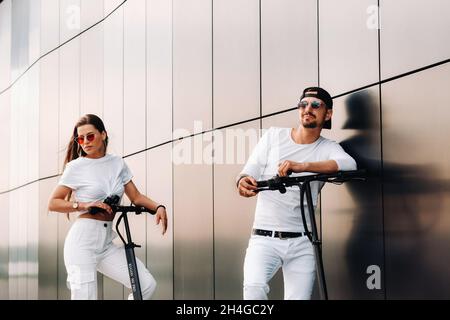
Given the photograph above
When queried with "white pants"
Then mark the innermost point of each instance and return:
(88, 247)
(265, 255)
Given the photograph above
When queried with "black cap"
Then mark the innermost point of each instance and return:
(322, 94)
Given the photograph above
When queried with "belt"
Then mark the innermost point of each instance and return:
(278, 234)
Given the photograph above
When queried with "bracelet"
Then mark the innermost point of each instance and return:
(160, 207)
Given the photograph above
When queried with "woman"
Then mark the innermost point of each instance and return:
(93, 175)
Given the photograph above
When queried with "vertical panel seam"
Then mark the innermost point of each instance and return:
(173, 180)
(381, 152)
(145, 119)
(213, 152)
(123, 97)
(59, 140)
(318, 43)
(260, 64)
(318, 84)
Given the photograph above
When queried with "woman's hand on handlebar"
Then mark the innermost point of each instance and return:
(161, 216)
(106, 208)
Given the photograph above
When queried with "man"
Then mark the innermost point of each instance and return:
(278, 238)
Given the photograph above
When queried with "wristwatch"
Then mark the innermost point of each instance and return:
(75, 205)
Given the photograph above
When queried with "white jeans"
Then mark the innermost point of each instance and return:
(88, 247)
(265, 255)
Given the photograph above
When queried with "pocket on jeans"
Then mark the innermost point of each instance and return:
(76, 277)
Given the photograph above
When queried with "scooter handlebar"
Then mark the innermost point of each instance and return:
(113, 202)
(281, 183)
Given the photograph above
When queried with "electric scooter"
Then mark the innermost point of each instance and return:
(281, 183)
(113, 202)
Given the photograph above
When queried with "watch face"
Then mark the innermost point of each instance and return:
(75, 205)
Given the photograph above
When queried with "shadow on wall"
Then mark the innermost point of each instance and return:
(413, 199)
(365, 244)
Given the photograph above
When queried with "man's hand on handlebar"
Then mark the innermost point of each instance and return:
(287, 167)
(247, 186)
(161, 216)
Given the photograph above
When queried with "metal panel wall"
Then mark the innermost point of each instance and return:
(159, 130)
(134, 76)
(91, 12)
(4, 197)
(23, 151)
(20, 11)
(5, 44)
(34, 31)
(4, 247)
(193, 219)
(233, 215)
(159, 71)
(192, 65)
(16, 150)
(48, 114)
(69, 95)
(32, 229)
(111, 5)
(113, 80)
(63, 228)
(14, 246)
(405, 43)
(91, 58)
(236, 61)
(49, 25)
(5, 131)
(416, 184)
(47, 244)
(160, 248)
(348, 45)
(288, 51)
(192, 101)
(155, 65)
(31, 119)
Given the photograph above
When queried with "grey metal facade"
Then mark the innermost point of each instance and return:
(152, 69)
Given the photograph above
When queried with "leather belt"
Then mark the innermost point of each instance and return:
(278, 234)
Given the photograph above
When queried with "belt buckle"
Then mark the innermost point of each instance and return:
(280, 235)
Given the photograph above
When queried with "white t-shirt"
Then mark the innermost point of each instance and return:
(281, 212)
(96, 179)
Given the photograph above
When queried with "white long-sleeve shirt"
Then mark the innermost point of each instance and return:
(281, 212)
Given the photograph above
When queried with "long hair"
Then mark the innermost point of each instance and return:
(74, 150)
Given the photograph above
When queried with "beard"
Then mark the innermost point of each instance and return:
(310, 125)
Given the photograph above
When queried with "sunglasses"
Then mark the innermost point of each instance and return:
(89, 137)
(314, 104)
